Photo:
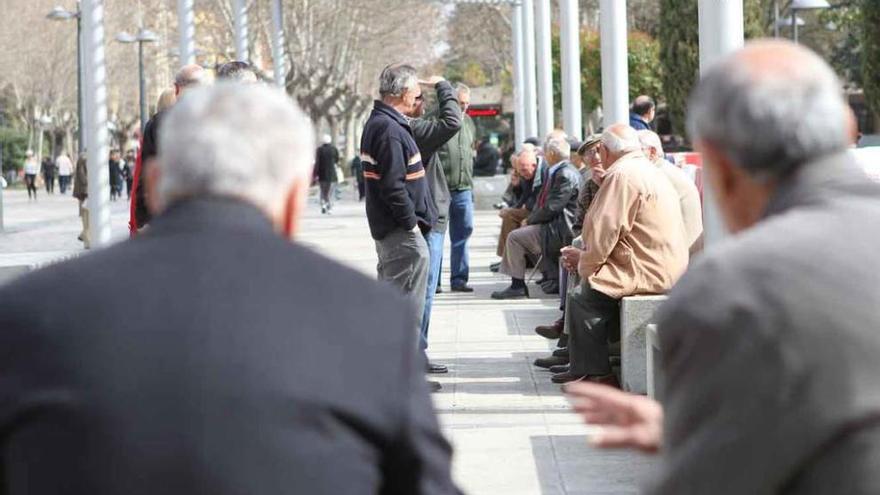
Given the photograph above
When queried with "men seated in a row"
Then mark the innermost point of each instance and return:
(691, 212)
(551, 218)
(634, 243)
(525, 187)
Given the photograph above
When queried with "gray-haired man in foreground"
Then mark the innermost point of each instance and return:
(770, 342)
(207, 384)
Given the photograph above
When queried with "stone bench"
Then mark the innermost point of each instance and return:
(636, 313)
(652, 358)
(14, 265)
(489, 190)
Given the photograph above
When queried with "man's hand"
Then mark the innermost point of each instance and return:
(431, 81)
(570, 257)
(623, 420)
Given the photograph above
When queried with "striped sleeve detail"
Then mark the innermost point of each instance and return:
(367, 158)
(415, 175)
(415, 159)
(372, 175)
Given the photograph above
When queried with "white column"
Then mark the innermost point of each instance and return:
(570, 55)
(240, 24)
(518, 75)
(95, 114)
(615, 74)
(721, 32)
(530, 94)
(186, 21)
(545, 70)
(278, 43)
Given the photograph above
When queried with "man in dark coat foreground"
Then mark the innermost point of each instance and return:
(208, 385)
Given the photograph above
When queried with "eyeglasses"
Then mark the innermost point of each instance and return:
(420, 98)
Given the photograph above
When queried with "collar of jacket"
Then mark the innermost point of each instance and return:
(382, 107)
(213, 213)
(825, 178)
(631, 155)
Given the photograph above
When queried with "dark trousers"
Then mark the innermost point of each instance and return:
(461, 226)
(63, 182)
(30, 180)
(594, 319)
(50, 183)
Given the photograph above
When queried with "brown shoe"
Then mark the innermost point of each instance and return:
(551, 332)
(566, 377)
(609, 379)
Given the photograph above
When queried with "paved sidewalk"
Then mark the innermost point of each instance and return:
(511, 428)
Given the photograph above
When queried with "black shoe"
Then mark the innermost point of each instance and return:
(550, 287)
(566, 377)
(563, 340)
(559, 368)
(511, 293)
(498, 206)
(434, 386)
(552, 331)
(438, 290)
(462, 288)
(437, 368)
(547, 362)
(561, 352)
(494, 267)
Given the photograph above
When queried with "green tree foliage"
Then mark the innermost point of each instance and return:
(679, 55)
(871, 54)
(13, 143)
(645, 70)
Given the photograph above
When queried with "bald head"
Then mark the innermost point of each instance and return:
(189, 76)
(652, 147)
(769, 108)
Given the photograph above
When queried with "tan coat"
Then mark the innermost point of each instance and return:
(635, 243)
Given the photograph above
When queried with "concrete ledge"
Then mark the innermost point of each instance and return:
(488, 191)
(652, 358)
(14, 265)
(636, 312)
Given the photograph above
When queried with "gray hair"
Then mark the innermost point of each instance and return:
(237, 70)
(249, 141)
(650, 139)
(462, 88)
(557, 143)
(621, 138)
(395, 79)
(189, 75)
(770, 108)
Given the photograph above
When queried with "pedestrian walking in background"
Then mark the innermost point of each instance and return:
(326, 159)
(357, 171)
(31, 169)
(81, 193)
(115, 170)
(65, 169)
(48, 169)
(128, 171)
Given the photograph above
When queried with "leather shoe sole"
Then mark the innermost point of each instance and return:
(560, 368)
(462, 288)
(437, 368)
(566, 377)
(434, 386)
(511, 293)
(561, 352)
(547, 362)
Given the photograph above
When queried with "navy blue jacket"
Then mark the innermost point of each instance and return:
(638, 123)
(397, 191)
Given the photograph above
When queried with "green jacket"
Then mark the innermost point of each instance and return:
(457, 157)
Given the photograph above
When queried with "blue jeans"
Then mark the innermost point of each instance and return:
(435, 254)
(461, 225)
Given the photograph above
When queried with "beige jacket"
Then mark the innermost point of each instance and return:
(636, 240)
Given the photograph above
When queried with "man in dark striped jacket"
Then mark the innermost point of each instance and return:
(399, 205)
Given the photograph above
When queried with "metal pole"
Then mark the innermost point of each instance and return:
(239, 13)
(721, 31)
(142, 84)
(186, 20)
(570, 54)
(545, 71)
(518, 76)
(278, 43)
(80, 103)
(530, 94)
(2, 177)
(615, 73)
(775, 18)
(95, 92)
(794, 27)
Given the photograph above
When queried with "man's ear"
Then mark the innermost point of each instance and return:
(153, 174)
(294, 206)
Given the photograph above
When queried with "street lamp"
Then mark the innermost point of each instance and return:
(61, 14)
(794, 7)
(143, 36)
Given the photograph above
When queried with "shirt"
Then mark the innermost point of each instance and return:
(31, 167)
(689, 201)
(65, 167)
(633, 233)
